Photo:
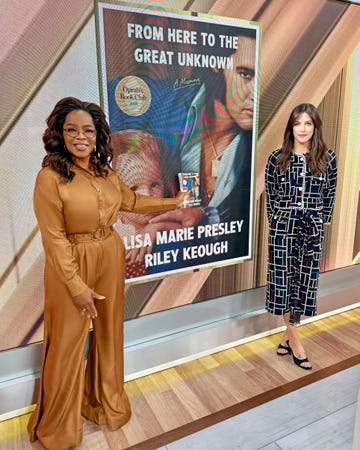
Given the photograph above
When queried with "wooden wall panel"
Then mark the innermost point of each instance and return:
(240, 9)
(313, 83)
(35, 51)
(343, 229)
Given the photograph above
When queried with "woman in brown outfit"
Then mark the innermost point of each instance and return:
(76, 200)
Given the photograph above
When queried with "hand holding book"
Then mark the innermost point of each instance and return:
(190, 183)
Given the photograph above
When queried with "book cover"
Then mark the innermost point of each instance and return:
(190, 182)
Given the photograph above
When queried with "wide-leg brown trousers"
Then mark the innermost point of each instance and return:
(67, 389)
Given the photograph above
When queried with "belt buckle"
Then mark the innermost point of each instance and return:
(99, 233)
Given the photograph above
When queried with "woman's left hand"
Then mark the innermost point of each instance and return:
(84, 302)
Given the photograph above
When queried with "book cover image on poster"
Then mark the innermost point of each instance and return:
(182, 92)
(190, 183)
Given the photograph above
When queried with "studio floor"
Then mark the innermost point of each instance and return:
(320, 416)
(244, 397)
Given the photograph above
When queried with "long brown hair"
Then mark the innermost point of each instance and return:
(58, 157)
(317, 157)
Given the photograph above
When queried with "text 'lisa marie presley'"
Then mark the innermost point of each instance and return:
(184, 234)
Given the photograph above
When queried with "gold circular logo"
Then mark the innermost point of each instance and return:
(133, 96)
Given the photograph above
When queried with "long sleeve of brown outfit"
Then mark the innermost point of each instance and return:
(66, 391)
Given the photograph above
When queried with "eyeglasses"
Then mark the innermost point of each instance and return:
(74, 132)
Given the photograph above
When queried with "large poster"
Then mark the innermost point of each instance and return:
(180, 93)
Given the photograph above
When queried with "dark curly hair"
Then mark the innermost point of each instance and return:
(58, 157)
(318, 157)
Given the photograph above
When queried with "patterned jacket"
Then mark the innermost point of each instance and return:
(298, 189)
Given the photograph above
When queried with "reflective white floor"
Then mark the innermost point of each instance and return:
(320, 416)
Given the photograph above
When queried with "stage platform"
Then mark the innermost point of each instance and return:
(176, 402)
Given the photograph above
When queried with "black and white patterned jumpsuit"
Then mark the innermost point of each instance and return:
(298, 205)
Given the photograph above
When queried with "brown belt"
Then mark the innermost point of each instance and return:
(94, 235)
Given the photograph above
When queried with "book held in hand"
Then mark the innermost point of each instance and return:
(190, 183)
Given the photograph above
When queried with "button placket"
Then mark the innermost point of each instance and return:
(302, 188)
(95, 183)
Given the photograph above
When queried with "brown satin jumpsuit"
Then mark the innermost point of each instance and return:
(76, 258)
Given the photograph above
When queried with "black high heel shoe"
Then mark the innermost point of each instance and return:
(284, 347)
(299, 361)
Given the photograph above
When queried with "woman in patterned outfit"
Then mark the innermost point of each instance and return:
(300, 184)
(76, 200)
